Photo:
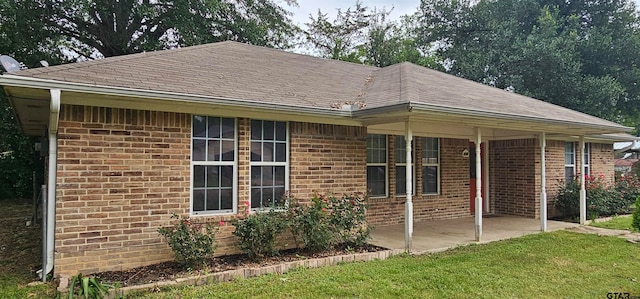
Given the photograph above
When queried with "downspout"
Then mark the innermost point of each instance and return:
(50, 215)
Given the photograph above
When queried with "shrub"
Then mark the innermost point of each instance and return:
(635, 223)
(330, 221)
(257, 233)
(348, 219)
(567, 200)
(603, 199)
(628, 187)
(310, 224)
(192, 243)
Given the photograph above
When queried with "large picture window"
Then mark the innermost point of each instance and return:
(401, 166)
(430, 165)
(569, 161)
(269, 162)
(213, 164)
(377, 165)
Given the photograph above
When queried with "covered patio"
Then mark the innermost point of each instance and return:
(439, 235)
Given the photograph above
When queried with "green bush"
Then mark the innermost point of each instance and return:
(192, 243)
(348, 219)
(257, 233)
(329, 221)
(636, 215)
(310, 224)
(567, 199)
(603, 199)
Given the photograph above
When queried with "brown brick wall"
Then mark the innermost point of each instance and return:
(327, 158)
(453, 200)
(122, 173)
(602, 161)
(512, 177)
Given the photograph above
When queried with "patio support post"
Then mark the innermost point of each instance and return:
(583, 191)
(478, 199)
(408, 206)
(543, 182)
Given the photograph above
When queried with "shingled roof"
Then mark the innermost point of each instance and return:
(246, 74)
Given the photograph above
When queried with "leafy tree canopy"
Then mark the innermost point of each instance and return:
(584, 55)
(105, 28)
(363, 35)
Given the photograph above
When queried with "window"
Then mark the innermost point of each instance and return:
(430, 165)
(213, 164)
(401, 164)
(585, 159)
(377, 165)
(269, 163)
(569, 161)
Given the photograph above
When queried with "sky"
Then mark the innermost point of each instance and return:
(306, 7)
(400, 7)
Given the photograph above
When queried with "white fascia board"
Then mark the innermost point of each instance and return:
(37, 83)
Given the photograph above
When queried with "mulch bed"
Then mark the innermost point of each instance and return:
(172, 270)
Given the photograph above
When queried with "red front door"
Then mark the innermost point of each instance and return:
(472, 174)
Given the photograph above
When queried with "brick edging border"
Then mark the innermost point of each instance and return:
(249, 272)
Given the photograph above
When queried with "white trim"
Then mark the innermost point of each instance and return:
(275, 164)
(234, 164)
(439, 175)
(573, 146)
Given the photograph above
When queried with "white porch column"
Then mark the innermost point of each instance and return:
(543, 183)
(583, 191)
(408, 206)
(478, 199)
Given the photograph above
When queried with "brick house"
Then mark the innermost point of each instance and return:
(204, 130)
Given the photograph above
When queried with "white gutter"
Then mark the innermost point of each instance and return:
(409, 107)
(49, 218)
(30, 82)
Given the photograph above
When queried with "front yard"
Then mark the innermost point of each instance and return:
(550, 265)
(616, 222)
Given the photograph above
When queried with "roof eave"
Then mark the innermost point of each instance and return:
(38, 83)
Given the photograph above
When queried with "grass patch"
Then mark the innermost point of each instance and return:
(616, 222)
(549, 265)
(20, 252)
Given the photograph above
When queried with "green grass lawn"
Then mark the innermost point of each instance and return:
(616, 223)
(550, 265)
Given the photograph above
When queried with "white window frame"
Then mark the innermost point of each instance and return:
(404, 165)
(260, 163)
(586, 159)
(385, 165)
(425, 164)
(573, 164)
(234, 163)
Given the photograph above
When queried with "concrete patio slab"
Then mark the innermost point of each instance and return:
(439, 235)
